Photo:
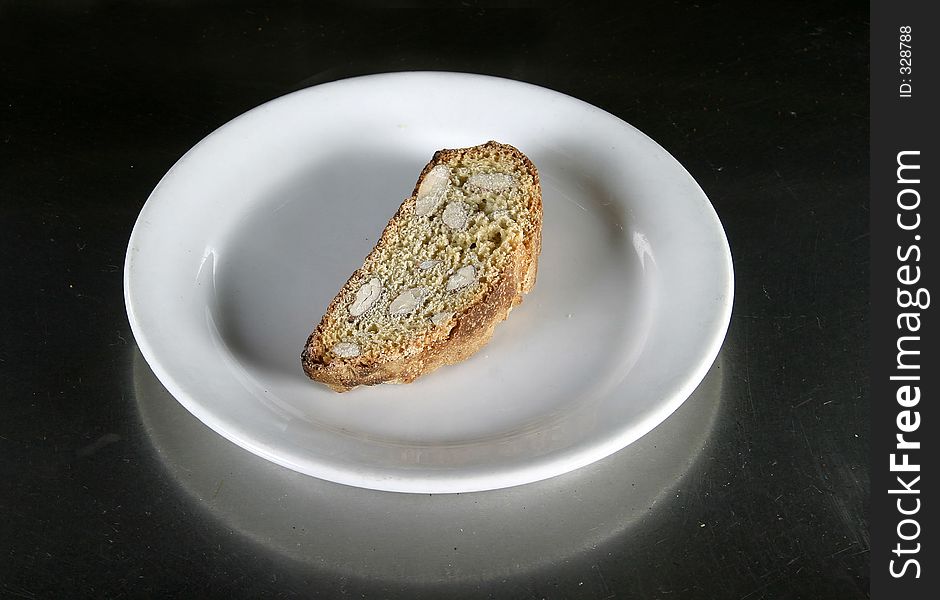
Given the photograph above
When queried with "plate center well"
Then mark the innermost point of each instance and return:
(281, 265)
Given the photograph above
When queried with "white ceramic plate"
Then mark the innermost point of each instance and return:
(244, 242)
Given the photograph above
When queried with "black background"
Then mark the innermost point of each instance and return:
(767, 106)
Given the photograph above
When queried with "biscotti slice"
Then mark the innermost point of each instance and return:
(453, 261)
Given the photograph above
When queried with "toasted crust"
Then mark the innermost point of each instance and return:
(472, 328)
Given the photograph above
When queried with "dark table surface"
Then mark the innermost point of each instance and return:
(756, 488)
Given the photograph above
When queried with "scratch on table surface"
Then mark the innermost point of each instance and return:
(849, 547)
(801, 403)
(604, 588)
(747, 372)
(859, 237)
(105, 440)
(768, 316)
(15, 591)
(751, 593)
(218, 488)
(121, 339)
(806, 438)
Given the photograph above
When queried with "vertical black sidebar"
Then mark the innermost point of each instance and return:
(905, 156)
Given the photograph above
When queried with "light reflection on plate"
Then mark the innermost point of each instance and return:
(411, 539)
